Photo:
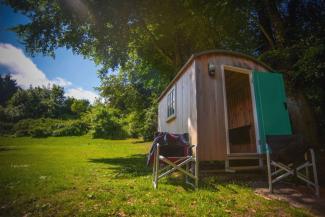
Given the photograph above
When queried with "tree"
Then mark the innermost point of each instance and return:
(36, 102)
(297, 49)
(133, 91)
(287, 34)
(107, 123)
(164, 35)
(55, 101)
(79, 106)
(8, 87)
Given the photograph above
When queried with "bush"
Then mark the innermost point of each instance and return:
(108, 123)
(134, 123)
(76, 128)
(6, 128)
(20, 133)
(50, 127)
(40, 132)
(149, 124)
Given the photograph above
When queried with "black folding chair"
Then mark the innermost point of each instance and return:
(288, 155)
(170, 153)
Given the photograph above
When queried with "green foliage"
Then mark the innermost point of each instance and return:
(40, 132)
(72, 128)
(2, 113)
(6, 128)
(79, 106)
(305, 72)
(108, 123)
(109, 31)
(134, 124)
(150, 40)
(309, 72)
(36, 102)
(49, 127)
(149, 123)
(42, 102)
(133, 91)
(8, 87)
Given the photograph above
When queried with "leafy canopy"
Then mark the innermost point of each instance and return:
(145, 38)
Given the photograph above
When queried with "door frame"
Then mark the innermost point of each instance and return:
(250, 74)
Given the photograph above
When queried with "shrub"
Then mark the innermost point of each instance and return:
(20, 133)
(74, 128)
(108, 123)
(40, 132)
(134, 122)
(6, 128)
(23, 127)
(149, 124)
(50, 127)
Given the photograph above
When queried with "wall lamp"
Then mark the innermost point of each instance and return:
(211, 69)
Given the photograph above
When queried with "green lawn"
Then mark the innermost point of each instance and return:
(80, 176)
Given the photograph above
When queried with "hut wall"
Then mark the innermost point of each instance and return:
(210, 103)
(186, 112)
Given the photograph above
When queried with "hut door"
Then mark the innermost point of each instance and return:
(240, 112)
(272, 113)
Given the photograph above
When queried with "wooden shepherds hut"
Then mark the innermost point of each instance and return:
(227, 102)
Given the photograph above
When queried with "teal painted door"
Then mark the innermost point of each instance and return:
(270, 98)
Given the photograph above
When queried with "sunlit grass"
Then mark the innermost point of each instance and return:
(80, 176)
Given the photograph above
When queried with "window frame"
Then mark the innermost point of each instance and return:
(171, 104)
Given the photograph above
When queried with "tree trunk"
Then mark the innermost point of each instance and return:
(302, 118)
(264, 24)
(276, 22)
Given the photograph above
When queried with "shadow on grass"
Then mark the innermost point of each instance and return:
(126, 167)
(135, 166)
(2, 149)
(139, 142)
(212, 184)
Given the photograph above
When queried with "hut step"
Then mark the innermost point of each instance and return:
(243, 157)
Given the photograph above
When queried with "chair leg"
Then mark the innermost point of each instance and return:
(260, 163)
(196, 173)
(187, 170)
(312, 153)
(307, 169)
(154, 171)
(156, 168)
(269, 172)
(226, 165)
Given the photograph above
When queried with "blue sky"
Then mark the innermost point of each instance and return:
(76, 74)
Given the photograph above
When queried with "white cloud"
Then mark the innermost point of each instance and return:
(80, 93)
(26, 73)
(23, 70)
(61, 82)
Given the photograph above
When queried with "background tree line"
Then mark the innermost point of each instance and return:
(147, 41)
(45, 111)
(37, 102)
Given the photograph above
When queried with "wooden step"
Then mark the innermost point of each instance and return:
(243, 156)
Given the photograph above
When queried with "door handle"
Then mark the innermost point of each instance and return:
(285, 105)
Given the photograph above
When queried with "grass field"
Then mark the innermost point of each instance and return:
(79, 176)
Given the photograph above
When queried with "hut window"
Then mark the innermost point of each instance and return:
(171, 103)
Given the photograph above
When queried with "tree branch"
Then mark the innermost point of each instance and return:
(267, 36)
(155, 43)
(276, 22)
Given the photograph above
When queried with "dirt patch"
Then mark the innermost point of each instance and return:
(297, 195)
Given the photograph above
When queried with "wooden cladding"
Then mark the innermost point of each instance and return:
(212, 133)
(200, 104)
(184, 119)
